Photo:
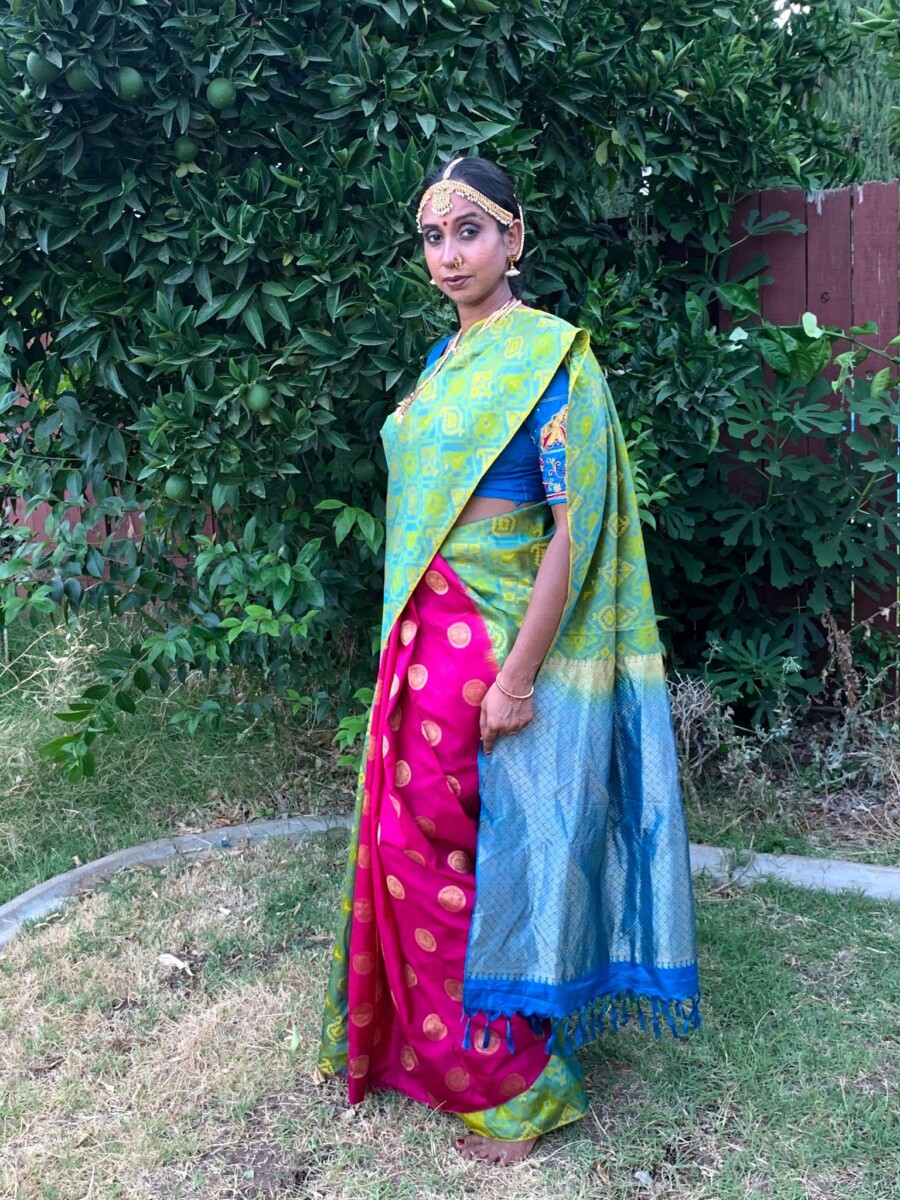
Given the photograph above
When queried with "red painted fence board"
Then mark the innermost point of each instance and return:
(876, 297)
(845, 270)
(783, 300)
(829, 282)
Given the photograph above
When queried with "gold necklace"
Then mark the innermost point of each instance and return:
(404, 406)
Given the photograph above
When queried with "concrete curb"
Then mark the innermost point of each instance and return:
(47, 897)
(825, 874)
(822, 874)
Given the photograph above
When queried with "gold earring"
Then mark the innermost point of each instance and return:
(512, 269)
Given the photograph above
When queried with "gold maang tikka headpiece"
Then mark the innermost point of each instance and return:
(441, 193)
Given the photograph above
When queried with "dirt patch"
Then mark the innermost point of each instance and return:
(259, 1166)
(260, 1170)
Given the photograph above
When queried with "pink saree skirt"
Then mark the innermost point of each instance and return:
(415, 882)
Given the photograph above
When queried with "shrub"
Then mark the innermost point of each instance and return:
(206, 200)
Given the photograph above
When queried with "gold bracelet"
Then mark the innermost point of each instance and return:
(512, 695)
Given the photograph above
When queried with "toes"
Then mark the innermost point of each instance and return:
(469, 1145)
(493, 1151)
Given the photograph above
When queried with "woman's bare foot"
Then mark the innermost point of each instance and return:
(492, 1150)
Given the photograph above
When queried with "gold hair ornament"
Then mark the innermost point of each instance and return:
(440, 195)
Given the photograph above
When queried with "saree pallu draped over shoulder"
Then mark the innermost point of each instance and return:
(501, 909)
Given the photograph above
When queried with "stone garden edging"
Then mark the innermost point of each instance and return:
(48, 897)
(821, 874)
(826, 874)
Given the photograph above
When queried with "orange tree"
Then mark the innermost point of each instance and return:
(213, 294)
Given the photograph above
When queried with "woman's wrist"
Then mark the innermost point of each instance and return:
(526, 694)
(513, 680)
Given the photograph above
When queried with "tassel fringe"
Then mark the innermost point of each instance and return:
(609, 1013)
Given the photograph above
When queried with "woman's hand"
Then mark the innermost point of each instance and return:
(502, 715)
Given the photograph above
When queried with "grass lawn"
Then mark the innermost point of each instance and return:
(849, 827)
(151, 780)
(126, 1075)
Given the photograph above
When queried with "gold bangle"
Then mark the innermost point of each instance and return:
(512, 695)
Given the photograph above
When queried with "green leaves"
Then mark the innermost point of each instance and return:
(881, 381)
(759, 668)
(370, 530)
(237, 302)
(152, 285)
(795, 351)
(740, 296)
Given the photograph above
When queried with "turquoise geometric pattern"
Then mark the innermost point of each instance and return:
(458, 425)
(461, 422)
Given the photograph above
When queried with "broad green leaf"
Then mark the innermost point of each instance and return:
(238, 302)
(881, 381)
(810, 324)
(251, 318)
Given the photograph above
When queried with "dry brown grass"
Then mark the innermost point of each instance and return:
(825, 783)
(157, 1043)
(132, 1077)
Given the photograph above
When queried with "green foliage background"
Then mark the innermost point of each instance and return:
(149, 284)
(882, 26)
(860, 97)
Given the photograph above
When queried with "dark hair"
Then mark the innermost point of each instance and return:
(488, 178)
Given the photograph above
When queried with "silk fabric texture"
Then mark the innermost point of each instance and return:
(550, 881)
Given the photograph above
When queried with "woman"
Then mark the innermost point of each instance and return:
(517, 615)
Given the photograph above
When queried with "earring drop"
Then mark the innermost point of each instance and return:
(512, 269)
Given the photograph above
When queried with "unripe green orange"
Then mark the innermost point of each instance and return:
(258, 398)
(221, 93)
(365, 470)
(178, 487)
(78, 81)
(131, 83)
(185, 149)
(41, 69)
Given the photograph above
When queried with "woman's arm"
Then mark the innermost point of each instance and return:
(499, 713)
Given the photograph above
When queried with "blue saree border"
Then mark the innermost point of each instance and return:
(580, 1011)
(559, 999)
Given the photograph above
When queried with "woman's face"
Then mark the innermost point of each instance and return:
(466, 251)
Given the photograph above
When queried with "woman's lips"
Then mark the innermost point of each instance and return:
(455, 280)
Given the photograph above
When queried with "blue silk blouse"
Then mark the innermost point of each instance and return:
(533, 465)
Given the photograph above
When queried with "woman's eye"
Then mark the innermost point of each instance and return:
(432, 239)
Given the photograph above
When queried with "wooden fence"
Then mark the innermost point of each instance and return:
(844, 268)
